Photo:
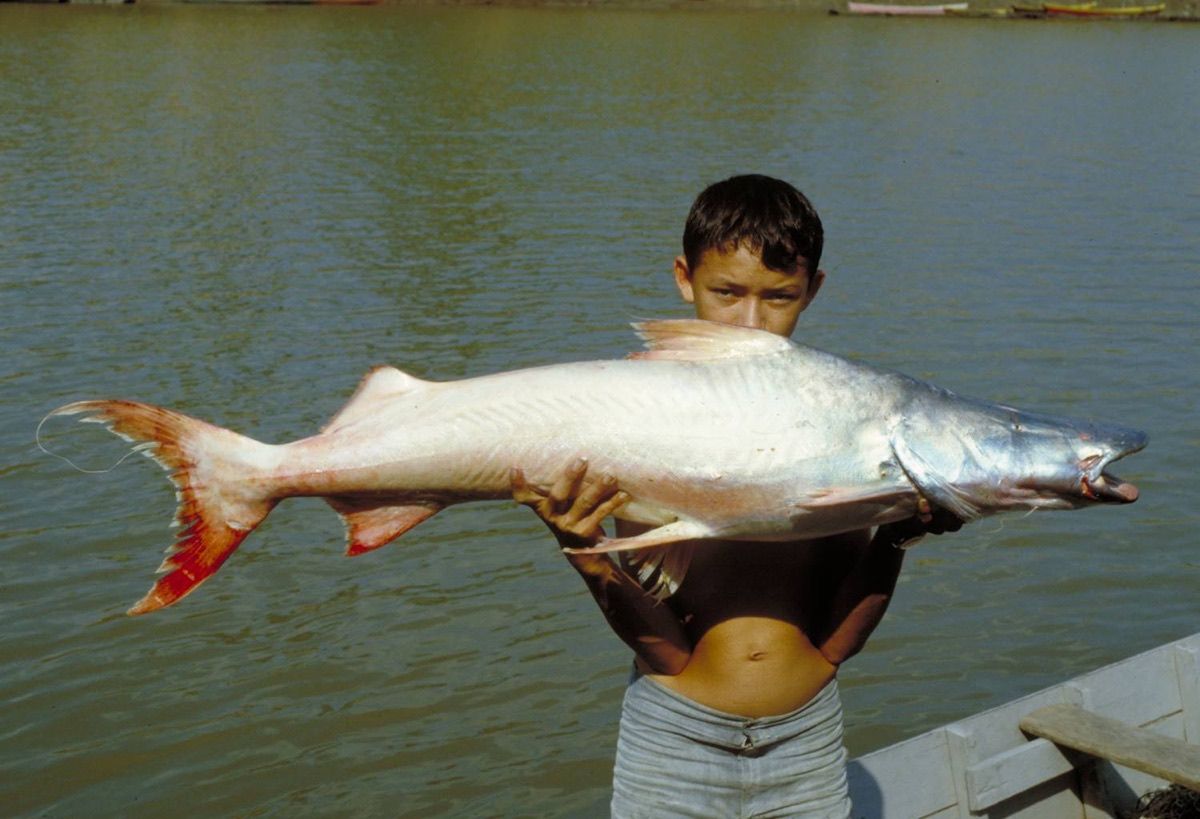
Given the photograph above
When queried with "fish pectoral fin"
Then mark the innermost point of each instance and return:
(669, 533)
(371, 524)
(925, 478)
(698, 340)
(379, 384)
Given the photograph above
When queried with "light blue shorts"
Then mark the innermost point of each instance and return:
(676, 758)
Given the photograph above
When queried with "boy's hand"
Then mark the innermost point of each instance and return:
(905, 533)
(573, 508)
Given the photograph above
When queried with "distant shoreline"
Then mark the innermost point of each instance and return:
(1175, 11)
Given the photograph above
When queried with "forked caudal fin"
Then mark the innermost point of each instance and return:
(218, 506)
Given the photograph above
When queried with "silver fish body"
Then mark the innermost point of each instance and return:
(715, 432)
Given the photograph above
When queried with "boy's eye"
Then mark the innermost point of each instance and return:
(783, 297)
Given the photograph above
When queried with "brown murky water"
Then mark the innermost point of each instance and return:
(237, 211)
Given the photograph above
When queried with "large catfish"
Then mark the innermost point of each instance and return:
(714, 431)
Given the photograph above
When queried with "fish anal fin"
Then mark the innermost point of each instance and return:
(669, 533)
(699, 340)
(371, 524)
(380, 384)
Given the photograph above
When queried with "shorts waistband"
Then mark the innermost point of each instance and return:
(689, 707)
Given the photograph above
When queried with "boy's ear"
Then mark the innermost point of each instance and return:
(814, 284)
(683, 279)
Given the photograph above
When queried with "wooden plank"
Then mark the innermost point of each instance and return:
(1015, 771)
(958, 752)
(995, 730)
(1080, 729)
(1187, 672)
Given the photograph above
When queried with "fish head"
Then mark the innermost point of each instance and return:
(979, 459)
(1063, 464)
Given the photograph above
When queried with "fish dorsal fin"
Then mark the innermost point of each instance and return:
(378, 385)
(698, 340)
(374, 523)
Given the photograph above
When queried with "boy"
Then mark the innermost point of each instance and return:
(733, 707)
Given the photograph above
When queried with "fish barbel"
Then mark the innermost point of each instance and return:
(715, 431)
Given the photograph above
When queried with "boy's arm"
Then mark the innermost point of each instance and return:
(866, 590)
(863, 596)
(573, 509)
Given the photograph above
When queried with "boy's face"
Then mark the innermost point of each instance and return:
(734, 287)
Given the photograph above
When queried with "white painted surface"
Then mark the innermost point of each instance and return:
(983, 766)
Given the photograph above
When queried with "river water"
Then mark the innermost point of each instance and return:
(237, 211)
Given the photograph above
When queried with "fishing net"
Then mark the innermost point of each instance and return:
(1174, 802)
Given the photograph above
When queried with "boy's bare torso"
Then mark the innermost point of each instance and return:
(754, 614)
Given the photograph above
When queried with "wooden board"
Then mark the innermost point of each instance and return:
(1074, 727)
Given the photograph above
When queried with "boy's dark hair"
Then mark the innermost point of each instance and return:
(767, 215)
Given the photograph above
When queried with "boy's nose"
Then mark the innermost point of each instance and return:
(752, 314)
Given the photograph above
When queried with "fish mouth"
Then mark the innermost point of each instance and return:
(1108, 488)
(1098, 484)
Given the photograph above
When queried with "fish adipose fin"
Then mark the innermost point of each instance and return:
(372, 524)
(698, 340)
(378, 385)
(217, 509)
(670, 533)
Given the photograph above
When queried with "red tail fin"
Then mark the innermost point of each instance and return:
(217, 509)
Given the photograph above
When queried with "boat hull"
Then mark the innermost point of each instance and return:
(900, 10)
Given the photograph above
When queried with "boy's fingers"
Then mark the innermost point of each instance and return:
(566, 487)
(589, 498)
(522, 492)
(592, 522)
